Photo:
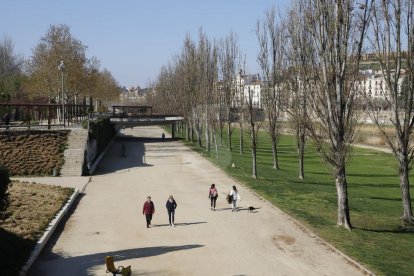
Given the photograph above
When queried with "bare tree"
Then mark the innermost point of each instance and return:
(255, 119)
(392, 40)
(297, 82)
(271, 37)
(241, 101)
(337, 29)
(228, 58)
(10, 69)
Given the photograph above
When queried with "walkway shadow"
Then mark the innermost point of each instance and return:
(189, 223)
(123, 154)
(223, 209)
(80, 265)
(179, 224)
(129, 151)
(255, 210)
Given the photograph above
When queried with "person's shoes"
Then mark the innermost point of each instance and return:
(173, 225)
(214, 209)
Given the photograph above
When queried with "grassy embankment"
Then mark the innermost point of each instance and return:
(379, 240)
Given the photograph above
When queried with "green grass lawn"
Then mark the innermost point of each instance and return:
(379, 239)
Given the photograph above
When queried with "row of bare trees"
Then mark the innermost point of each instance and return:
(39, 78)
(310, 64)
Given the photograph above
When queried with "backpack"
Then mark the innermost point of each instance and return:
(229, 199)
(214, 194)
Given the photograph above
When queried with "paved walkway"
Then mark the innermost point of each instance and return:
(108, 221)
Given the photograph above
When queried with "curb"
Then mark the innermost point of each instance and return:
(50, 230)
(295, 221)
(48, 234)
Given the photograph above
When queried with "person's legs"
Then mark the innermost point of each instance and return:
(214, 202)
(169, 216)
(147, 217)
(211, 202)
(233, 205)
(172, 218)
(150, 218)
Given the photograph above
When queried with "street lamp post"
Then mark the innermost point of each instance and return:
(61, 67)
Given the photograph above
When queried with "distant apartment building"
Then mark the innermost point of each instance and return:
(133, 95)
(248, 87)
(372, 84)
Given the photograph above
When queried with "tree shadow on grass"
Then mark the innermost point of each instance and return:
(397, 230)
(385, 198)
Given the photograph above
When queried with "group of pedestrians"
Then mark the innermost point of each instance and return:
(149, 209)
(233, 196)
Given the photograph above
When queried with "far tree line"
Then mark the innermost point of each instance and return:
(310, 59)
(38, 78)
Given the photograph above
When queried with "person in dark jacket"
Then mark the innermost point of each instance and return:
(171, 205)
(148, 210)
(6, 119)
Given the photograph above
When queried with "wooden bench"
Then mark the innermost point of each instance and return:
(110, 267)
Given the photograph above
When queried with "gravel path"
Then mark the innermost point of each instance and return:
(108, 221)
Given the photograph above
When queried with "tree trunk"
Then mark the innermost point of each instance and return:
(407, 214)
(221, 133)
(301, 151)
(241, 139)
(229, 134)
(215, 143)
(207, 138)
(274, 153)
(199, 142)
(344, 218)
(254, 163)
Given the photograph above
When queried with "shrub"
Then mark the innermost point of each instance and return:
(84, 123)
(4, 185)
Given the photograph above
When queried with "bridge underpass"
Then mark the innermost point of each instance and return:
(152, 120)
(134, 116)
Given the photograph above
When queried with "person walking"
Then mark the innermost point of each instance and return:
(234, 194)
(212, 195)
(171, 205)
(6, 119)
(148, 210)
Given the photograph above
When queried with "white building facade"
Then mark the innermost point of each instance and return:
(248, 87)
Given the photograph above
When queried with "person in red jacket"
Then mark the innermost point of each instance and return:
(148, 210)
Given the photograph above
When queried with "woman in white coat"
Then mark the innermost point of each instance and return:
(234, 197)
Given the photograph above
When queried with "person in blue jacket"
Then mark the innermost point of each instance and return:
(171, 205)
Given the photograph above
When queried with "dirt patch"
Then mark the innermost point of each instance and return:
(289, 240)
(281, 240)
(33, 152)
